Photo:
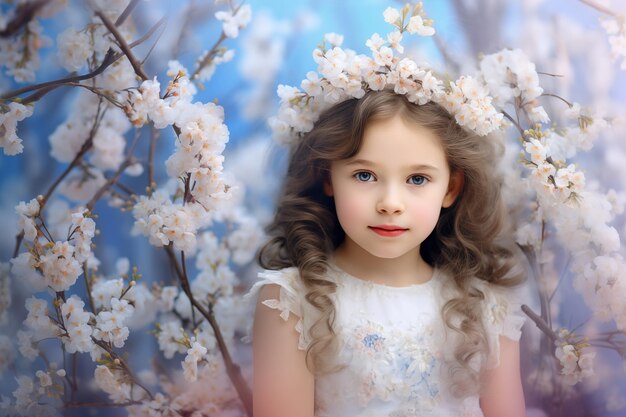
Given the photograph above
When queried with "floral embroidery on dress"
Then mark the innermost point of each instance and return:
(395, 362)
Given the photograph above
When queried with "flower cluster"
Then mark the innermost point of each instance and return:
(59, 262)
(114, 382)
(202, 133)
(164, 221)
(509, 75)
(235, 20)
(77, 327)
(20, 56)
(10, 114)
(576, 363)
(342, 74)
(104, 129)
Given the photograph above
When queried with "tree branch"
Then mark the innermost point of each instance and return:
(109, 59)
(541, 324)
(128, 371)
(123, 45)
(127, 11)
(233, 370)
(25, 13)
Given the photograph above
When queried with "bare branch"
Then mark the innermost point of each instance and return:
(541, 324)
(123, 45)
(109, 59)
(155, 134)
(129, 9)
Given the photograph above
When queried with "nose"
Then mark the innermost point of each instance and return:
(390, 202)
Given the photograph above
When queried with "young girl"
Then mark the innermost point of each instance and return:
(387, 291)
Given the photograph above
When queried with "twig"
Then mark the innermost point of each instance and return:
(559, 97)
(109, 59)
(127, 11)
(541, 324)
(18, 242)
(128, 371)
(516, 124)
(100, 405)
(209, 56)
(550, 74)
(599, 7)
(88, 286)
(151, 151)
(123, 45)
(148, 33)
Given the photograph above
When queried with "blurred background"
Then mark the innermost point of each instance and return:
(564, 38)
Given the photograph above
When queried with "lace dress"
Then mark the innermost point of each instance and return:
(394, 343)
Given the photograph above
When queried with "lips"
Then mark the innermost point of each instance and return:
(388, 230)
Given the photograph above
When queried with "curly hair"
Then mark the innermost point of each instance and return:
(465, 244)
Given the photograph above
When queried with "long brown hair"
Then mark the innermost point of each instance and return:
(465, 243)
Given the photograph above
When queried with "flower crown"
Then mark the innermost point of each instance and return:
(342, 74)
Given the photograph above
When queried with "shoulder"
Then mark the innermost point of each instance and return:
(279, 293)
(503, 316)
(503, 306)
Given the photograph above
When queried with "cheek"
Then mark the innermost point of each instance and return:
(426, 213)
(350, 208)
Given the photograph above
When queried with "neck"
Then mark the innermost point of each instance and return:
(405, 270)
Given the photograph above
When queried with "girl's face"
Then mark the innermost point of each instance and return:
(389, 195)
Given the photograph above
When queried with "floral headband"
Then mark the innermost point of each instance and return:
(342, 74)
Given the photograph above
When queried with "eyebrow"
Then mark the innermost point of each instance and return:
(417, 167)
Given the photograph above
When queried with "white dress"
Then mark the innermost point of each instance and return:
(394, 343)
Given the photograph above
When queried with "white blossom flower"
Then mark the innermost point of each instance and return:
(190, 364)
(104, 290)
(38, 318)
(10, 143)
(26, 345)
(169, 335)
(375, 42)
(334, 39)
(233, 23)
(74, 48)
(112, 383)
(392, 16)
(28, 212)
(417, 25)
(59, 266)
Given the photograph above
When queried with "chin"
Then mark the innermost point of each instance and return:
(386, 254)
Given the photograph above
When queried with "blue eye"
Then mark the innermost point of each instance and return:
(364, 176)
(418, 180)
